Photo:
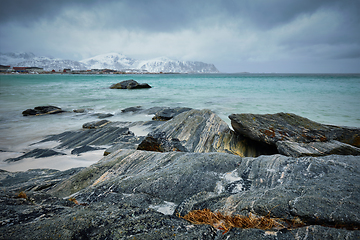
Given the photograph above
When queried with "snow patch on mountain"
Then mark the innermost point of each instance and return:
(164, 64)
(53, 64)
(48, 64)
(114, 61)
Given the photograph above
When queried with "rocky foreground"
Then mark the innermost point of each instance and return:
(301, 174)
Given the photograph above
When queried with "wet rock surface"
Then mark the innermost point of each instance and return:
(169, 113)
(129, 84)
(41, 110)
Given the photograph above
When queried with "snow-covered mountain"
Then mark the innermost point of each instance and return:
(51, 63)
(30, 60)
(163, 64)
(113, 61)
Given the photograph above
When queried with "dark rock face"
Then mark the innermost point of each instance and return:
(41, 110)
(103, 115)
(281, 128)
(131, 109)
(159, 143)
(129, 84)
(169, 113)
(201, 131)
(96, 124)
(83, 149)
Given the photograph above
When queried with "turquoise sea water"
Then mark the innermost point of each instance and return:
(330, 99)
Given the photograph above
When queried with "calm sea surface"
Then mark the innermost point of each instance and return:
(330, 99)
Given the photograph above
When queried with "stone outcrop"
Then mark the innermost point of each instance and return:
(129, 84)
(297, 136)
(41, 110)
(134, 194)
(201, 131)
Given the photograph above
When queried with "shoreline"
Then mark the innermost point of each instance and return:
(292, 174)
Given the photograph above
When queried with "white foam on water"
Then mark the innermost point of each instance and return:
(59, 162)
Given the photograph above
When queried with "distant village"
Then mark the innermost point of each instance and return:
(37, 70)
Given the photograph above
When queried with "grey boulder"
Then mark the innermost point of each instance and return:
(129, 84)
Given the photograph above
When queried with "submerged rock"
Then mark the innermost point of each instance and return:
(41, 110)
(36, 153)
(96, 124)
(103, 115)
(131, 109)
(169, 113)
(129, 84)
(85, 148)
(287, 127)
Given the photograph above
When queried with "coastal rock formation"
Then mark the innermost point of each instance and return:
(169, 113)
(201, 131)
(129, 84)
(142, 194)
(41, 110)
(187, 166)
(287, 127)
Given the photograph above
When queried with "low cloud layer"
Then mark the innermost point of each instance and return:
(237, 36)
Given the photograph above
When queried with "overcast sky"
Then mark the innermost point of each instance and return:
(235, 35)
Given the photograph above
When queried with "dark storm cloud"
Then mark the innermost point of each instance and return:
(160, 14)
(238, 31)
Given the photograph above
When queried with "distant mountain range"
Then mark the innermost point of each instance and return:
(113, 61)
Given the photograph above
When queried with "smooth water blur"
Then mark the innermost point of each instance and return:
(330, 99)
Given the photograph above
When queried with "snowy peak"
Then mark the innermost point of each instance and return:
(120, 62)
(115, 61)
(164, 64)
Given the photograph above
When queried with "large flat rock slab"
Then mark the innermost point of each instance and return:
(132, 193)
(287, 127)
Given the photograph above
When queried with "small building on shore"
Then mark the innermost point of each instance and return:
(4, 68)
(28, 69)
(20, 69)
